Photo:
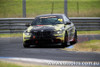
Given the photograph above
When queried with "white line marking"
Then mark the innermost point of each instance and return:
(27, 59)
(54, 62)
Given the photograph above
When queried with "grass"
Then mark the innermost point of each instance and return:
(92, 45)
(12, 35)
(5, 64)
(88, 32)
(78, 33)
(19, 64)
(13, 8)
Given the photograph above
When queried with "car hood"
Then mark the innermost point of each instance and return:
(45, 27)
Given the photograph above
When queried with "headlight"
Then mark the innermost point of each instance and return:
(27, 33)
(59, 32)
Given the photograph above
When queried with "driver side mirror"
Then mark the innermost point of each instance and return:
(27, 24)
(68, 23)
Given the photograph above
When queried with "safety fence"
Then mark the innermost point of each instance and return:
(17, 25)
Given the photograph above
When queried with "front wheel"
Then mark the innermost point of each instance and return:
(26, 45)
(65, 40)
(75, 38)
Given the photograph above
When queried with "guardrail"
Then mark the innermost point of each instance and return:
(17, 25)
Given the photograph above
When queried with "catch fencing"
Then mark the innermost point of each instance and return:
(17, 25)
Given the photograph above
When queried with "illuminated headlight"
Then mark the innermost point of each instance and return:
(59, 32)
(27, 33)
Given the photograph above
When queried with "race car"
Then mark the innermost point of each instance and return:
(50, 29)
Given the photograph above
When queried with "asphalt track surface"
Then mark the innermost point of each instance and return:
(12, 47)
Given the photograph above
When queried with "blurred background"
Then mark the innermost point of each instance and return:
(76, 8)
(85, 14)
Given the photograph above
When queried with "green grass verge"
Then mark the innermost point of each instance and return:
(19, 64)
(5, 64)
(92, 45)
(88, 32)
(13, 8)
(12, 35)
(78, 32)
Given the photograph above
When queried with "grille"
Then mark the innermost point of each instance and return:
(44, 34)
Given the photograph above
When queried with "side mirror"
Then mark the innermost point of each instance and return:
(27, 24)
(68, 23)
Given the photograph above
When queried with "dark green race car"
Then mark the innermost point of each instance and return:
(50, 29)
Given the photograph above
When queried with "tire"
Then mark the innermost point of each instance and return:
(75, 38)
(65, 40)
(26, 45)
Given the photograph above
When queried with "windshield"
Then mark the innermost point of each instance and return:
(47, 21)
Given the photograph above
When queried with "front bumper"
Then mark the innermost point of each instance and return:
(43, 41)
(32, 39)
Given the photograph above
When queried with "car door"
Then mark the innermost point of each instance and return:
(72, 31)
(69, 27)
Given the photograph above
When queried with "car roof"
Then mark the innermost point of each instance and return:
(50, 15)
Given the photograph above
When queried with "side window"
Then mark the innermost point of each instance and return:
(66, 19)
